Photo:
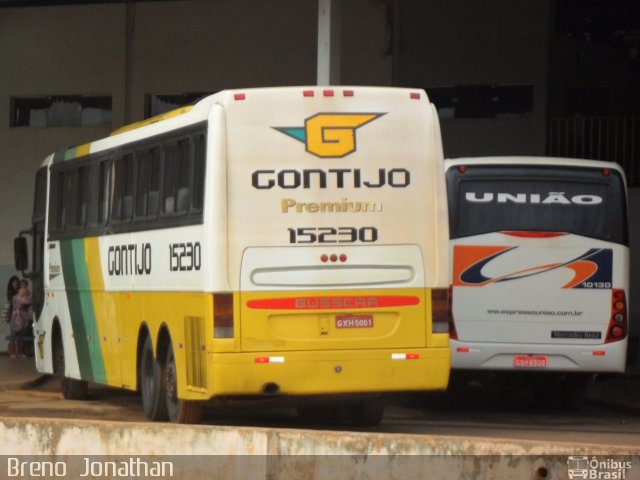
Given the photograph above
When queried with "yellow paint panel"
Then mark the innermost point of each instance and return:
(82, 150)
(149, 121)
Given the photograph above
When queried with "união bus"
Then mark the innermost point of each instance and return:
(540, 270)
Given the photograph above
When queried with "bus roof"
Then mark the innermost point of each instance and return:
(532, 160)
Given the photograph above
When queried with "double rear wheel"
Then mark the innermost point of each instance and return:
(159, 388)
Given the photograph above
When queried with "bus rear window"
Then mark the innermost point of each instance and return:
(585, 202)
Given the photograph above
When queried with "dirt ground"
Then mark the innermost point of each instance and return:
(43, 399)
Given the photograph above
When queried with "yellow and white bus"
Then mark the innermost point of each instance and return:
(540, 270)
(264, 242)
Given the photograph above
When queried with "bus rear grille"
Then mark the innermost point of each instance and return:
(196, 354)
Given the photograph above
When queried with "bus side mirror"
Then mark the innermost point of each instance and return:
(21, 253)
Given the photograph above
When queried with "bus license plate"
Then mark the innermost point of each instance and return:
(354, 321)
(530, 361)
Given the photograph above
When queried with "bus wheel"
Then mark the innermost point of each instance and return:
(562, 391)
(180, 411)
(151, 381)
(368, 413)
(317, 414)
(72, 389)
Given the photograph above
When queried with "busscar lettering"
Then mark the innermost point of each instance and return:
(306, 303)
(129, 259)
(551, 198)
(332, 178)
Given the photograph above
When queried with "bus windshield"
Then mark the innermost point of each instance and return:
(491, 198)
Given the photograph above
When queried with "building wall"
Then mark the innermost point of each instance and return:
(501, 42)
(165, 47)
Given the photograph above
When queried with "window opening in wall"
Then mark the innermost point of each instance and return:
(61, 111)
(482, 101)
(157, 104)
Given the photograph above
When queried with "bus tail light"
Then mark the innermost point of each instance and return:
(453, 333)
(223, 315)
(441, 310)
(617, 329)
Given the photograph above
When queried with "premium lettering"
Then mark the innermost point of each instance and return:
(343, 206)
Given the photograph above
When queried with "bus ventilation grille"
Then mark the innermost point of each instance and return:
(196, 354)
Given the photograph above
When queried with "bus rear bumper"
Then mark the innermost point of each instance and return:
(327, 372)
(610, 357)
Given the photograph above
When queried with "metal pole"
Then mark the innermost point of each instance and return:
(328, 72)
(128, 80)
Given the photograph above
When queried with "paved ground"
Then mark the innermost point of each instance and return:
(621, 392)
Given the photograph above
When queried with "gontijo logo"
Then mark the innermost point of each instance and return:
(330, 135)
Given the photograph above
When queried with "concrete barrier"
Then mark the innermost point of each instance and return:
(263, 453)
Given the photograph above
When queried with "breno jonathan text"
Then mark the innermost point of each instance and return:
(134, 467)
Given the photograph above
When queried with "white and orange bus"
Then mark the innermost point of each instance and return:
(263, 242)
(540, 270)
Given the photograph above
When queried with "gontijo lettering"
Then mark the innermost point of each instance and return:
(131, 259)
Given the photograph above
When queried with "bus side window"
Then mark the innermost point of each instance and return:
(148, 186)
(77, 208)
(184, 163)
(197, 199)
(104, 191)
(142, 188)
(62, 197)
(123, 188)
(169, 176)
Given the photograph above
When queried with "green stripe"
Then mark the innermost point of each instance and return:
(83, 318)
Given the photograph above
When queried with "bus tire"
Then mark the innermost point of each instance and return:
(179, 410)
(562, 391)
(317, 414)
(368, 413)
(71, 388)
(151, 381)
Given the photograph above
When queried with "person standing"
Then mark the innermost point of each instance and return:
(19, 320)
(12, 288)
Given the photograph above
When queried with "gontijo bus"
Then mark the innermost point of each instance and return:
(278, 241)
(540, 269)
